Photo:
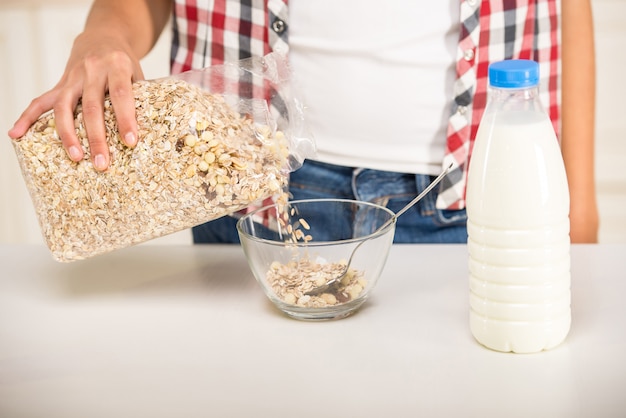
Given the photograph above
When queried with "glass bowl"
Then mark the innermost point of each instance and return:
(295, 247)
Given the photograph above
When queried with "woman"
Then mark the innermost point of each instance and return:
(394, 93)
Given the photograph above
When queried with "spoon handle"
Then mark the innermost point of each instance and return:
(324, 287)
(418, 197)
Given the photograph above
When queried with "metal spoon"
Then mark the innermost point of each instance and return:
(328, 284)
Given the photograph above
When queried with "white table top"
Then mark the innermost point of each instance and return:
(185, 331)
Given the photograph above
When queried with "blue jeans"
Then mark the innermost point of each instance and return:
(423, 223)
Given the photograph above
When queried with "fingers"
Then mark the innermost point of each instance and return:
(64, 119)
(117, 79)
(63, 104)
(93, 113)
(35, 109)
(123, 100)
(89, 84)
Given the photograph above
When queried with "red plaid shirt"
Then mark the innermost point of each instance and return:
(491, 30)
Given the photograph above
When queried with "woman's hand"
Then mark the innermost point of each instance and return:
(104, 58)
(98, 64)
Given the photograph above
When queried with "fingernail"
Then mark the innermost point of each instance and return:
(75, 153)
(100, 162)
(130, 139)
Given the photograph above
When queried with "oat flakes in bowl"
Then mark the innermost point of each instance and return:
(295, 247)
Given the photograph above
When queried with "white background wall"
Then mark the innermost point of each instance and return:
(36, 35)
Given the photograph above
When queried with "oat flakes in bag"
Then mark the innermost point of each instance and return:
(211, 142)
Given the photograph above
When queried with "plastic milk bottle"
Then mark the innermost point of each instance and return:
(518, 219)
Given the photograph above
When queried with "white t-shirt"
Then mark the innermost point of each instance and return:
(376, 78)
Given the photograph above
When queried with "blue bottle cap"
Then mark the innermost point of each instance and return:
(514, 74)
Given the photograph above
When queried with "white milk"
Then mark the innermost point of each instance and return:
(518, 228)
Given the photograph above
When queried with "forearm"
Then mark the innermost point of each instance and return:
(137, 22)
(578, 115)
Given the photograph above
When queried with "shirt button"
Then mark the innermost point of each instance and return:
(461, 110)
(468, 55)
(278, 26)
(471, 2)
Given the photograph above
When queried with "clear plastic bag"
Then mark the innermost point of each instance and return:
(211, 142)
